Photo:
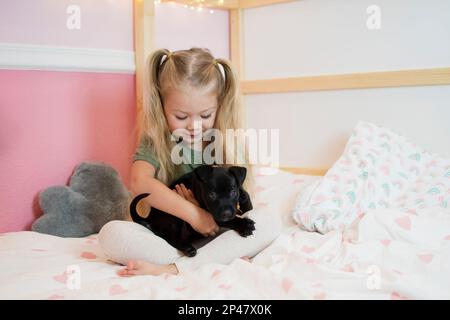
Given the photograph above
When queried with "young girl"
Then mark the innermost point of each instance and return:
(184, 88)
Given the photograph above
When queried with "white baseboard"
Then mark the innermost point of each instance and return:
(56, 58)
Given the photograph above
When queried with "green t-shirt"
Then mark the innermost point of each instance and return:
(190, 158)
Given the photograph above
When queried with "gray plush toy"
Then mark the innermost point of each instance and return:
(95, 196)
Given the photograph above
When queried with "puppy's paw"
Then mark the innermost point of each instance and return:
(190, 251)
(245, 227)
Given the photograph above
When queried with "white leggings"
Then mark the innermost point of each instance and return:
(123, 241)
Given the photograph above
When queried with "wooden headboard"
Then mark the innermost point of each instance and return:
(145, 40)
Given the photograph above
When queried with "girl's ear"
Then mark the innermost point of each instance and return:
(203, 172)
(239, 173)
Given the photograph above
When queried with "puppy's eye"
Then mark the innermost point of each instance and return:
(233, 193)
(212, 195)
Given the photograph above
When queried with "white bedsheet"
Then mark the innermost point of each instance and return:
(38, 266)
(388, 254)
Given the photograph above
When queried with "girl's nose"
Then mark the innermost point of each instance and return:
(195, 125)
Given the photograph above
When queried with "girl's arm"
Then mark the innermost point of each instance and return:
(143, 181)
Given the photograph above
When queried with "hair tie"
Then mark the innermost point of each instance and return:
(165, 58)
(220, 67)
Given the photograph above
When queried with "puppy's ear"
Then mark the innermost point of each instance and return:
(239, 173)
(203, 172)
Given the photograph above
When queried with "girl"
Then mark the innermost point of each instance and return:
(184, 88)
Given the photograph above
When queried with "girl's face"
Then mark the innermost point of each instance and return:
(191, 111)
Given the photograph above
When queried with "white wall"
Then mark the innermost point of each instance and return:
(314, 37)
(179, 28)
(105, 24)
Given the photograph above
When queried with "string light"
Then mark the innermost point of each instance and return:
(193, 4)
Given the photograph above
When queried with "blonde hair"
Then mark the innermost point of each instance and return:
(195, 68)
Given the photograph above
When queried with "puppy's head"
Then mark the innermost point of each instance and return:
(218, 189)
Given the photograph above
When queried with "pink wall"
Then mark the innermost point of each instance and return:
(50, 122)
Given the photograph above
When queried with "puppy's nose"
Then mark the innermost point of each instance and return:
(226, 215)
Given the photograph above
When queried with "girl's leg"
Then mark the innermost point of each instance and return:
(135, 246)
(230, 245)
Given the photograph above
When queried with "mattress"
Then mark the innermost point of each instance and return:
(377, 258)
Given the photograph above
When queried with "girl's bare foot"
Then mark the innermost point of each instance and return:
(138, 267)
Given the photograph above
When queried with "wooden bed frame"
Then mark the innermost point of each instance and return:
(144, 44)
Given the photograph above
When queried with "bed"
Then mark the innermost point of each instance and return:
(371, 228)
(297, 265)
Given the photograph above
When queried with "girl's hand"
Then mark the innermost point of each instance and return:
(186, 194)
(203, 222)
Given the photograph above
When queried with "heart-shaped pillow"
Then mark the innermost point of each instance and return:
(95, 196)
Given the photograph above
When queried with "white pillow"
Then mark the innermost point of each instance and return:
(378, 169)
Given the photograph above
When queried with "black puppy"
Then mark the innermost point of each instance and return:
(218, 190)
